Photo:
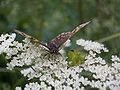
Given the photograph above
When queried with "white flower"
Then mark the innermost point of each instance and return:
(52, 70)
(29, 72)
(89, 45)
(5, 42)
(32, 86)
(68, 43)
(18, 88)
(115, 58)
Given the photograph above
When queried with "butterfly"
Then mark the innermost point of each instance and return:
(57, 43)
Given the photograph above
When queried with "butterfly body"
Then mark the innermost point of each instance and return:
(56, 43)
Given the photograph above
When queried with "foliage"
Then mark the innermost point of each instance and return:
(75, 57)
(44, 19)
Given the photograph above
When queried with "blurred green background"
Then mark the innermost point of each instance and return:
(44, 19)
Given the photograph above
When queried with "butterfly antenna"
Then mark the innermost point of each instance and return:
(79, 27)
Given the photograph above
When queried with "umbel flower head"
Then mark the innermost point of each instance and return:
(53, 72)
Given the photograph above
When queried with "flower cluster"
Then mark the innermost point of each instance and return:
(52, 70)
(89, 45)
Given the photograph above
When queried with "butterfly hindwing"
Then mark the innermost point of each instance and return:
(32, 39)
(56, 43)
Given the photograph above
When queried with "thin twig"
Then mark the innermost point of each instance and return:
(109, 37)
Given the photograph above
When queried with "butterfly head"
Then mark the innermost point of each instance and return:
(52, 47)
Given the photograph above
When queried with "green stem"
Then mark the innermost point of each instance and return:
(109, 37)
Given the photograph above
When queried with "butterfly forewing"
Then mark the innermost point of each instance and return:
(59, 40)
(32, 39)
(55, 44)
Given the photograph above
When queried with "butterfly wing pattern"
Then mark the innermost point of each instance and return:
(55, 44)
(32, 39)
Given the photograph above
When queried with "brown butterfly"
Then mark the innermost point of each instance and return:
(56, 43)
